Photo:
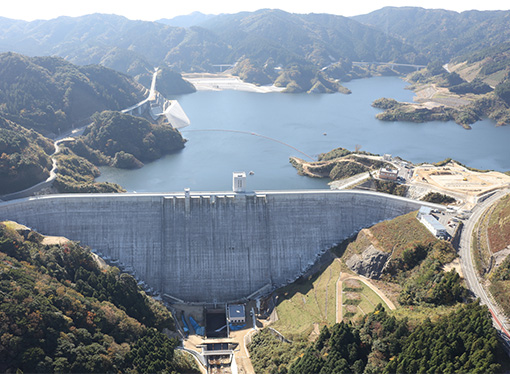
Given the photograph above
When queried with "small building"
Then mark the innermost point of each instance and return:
(389, 174)
(433, 225)
(424, 210)
(387, 157)
(236, 314)
(239, 181)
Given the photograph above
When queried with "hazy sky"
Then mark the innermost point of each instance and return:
(156, 9)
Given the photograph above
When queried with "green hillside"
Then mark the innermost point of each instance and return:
(319, 39)
(268, 38)
(489, 64)
(62, 312)
(441, 34)
(168, 82)
(115, 132)
(24, 157)
(114, 41)
(51, 95)
(462, 341)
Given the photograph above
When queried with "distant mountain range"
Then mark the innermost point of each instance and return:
(442, 34)
(267, 37)
(193, 19)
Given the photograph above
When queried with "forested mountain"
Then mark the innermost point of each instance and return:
(267, 38)
(442, 34)
(489, 64)
(113, 41)
(24, 157)
(62, 312)
(319, 39)
(50, 95)
(132, 46)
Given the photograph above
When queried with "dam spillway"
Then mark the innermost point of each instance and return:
(209, 246)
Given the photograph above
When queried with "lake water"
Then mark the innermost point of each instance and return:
(222, 138)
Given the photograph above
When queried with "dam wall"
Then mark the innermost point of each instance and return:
(209, 247)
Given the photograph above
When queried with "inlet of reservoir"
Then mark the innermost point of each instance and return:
(310, 123)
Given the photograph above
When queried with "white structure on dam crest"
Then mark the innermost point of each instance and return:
(210, 247)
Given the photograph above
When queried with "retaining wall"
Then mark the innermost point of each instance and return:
(209, 247)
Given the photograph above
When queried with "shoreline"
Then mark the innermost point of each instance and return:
(222, 82)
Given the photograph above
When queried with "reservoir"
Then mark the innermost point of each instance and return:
(246, 131)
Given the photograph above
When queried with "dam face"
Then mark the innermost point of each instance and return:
(209, 247)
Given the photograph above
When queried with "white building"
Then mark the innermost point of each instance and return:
(433, 225)
(239, 181)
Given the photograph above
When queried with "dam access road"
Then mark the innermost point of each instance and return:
(210, 247)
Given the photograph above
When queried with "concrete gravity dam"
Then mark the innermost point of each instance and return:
(209, 247)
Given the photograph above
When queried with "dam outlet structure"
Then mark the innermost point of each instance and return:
(210, 247)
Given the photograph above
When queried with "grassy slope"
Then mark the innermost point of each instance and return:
(303, 303)
(394, 235)
(499, 237)
(362, 297)
(499, 225)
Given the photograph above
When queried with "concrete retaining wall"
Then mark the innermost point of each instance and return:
(209, 247)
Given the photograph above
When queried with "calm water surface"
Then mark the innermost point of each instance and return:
(309, 125)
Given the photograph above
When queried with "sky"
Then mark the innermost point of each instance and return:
(30, 10)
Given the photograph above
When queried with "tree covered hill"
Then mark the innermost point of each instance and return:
(192, 19)
(61, 312)
(49, 94)
(120, 135)
(24, 157)
(319, 39)
(442, 34)
(114, 41)
(168, 82)
(464, 341)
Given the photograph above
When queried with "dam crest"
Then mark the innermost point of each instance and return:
(210, 246)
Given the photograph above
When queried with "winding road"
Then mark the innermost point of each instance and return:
(468, 267)
(69, 135)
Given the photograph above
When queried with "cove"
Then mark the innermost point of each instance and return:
(307, 124)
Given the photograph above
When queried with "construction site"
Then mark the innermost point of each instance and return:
(454, 179)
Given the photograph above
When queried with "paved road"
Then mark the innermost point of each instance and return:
(469, 270)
